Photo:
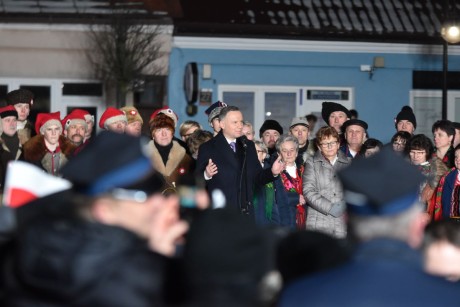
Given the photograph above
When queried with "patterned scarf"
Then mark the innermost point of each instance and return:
(294, 185)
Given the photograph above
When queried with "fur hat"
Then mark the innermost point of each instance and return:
(161, 120)
(166, 111)
(44, 120)
(270, 124)
(214, 110)
(77, 116)
(406, 113)
(110, 116)
(132, 114)
(8, 111)
(329, 107)
(20, 96)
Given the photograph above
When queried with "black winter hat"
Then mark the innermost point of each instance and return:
(406, 113)
(270, 124)
(354, 122)
(329, 107)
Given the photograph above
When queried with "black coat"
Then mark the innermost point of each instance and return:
(57, 260)
(235, 182)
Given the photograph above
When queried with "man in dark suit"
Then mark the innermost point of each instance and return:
(229, 162)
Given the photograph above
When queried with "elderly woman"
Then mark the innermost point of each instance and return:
(321, 187)
(168, 157)
(420, 151)
(443, 134)
(281, 202)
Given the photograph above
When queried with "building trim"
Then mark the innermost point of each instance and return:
(306, 46)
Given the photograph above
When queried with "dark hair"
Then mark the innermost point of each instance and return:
(444, 230)
(401, 135)
(370, 144)
(226, 110)
(354, 113)
(311, 117)
(420, 142)
(196, 139)
(444, 125)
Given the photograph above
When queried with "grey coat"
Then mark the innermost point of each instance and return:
(321, 189)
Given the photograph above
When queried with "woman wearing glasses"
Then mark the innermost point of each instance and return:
(321, 187)
(420, 150)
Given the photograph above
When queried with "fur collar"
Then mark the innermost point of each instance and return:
(5, 148)
(35, 148)
(175, 157)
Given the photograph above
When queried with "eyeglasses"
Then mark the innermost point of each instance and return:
(260, 151)
(330, 144)
(417, 152)
(398, 144)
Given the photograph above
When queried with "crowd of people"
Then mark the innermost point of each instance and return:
(221, 218)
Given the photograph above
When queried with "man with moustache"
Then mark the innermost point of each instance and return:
(269, 133)
(229, 163)
(75, 126)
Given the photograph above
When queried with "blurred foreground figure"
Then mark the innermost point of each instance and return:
(441, 249)
(101, 243)
(386, 219)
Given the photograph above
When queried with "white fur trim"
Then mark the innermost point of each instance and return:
(114, 119)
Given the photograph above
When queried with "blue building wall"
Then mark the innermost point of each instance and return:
(377, 100)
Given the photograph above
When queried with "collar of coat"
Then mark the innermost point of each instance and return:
(35, 148)
(176, 154)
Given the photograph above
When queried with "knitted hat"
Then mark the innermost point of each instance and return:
(329, 107)
(214, 110)
(110, 116)
(8, 111)
(44, 120)
(168, 112)
(132, 114)
(116, 161)
(20, 96)
(406, 113)
(270, 124)
(77, 116)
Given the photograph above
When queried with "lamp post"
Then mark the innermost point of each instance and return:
(450, 32)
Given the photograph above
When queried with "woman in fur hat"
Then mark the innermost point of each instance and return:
(49, 149)
(169, 158)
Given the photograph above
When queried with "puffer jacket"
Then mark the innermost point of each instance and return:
(321, 189)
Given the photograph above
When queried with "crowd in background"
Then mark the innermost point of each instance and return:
(227, 217)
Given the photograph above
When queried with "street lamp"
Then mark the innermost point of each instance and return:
(450, 32)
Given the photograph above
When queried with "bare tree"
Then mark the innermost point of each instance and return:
(122, 52)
